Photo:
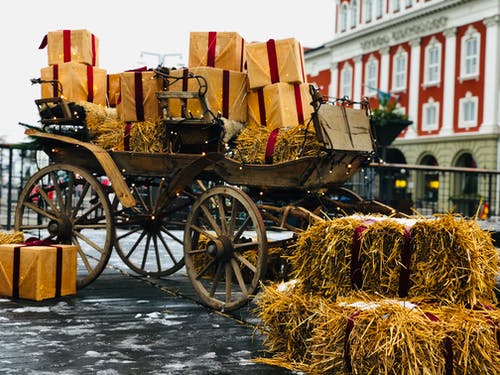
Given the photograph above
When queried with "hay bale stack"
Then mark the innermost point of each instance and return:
(322, 256)
(287, 316)
(453, 261)
(96, 115)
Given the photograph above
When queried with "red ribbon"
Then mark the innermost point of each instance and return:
(356, 273)
(273, 60)
(94, 51)
(242, 55)
(271, 143)
(298, 103)
(225, 93)
(447, 347)
(212, 42)
(55, 77)
(90, 83)
(262, 106)
(139, 96)
(66, 45)
(347, 345)
(44, 42)
(185, 81)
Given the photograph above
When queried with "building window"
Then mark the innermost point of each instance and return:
(409, 3)
(431, 115)
(354, 14)
(399, 72)
(371, 76)
(346, 79)
(368, 9)
(470, 54)
(343, 17)
(396, 5)
(379, 8)
(468, 111)
(432, 63)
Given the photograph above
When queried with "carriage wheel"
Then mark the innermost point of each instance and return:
(149, 235)
(225, 247)
(67, 205)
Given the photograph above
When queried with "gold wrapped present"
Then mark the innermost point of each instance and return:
(37, 272)
(224, 50)
(280, 105)
(275, 61)
(113, 85)
(226, 93)
(138, 101)
(64, 46)
(80, 82)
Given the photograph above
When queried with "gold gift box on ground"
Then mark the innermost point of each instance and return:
(80, 82)
(226, 93)
(275, 61)
(280, 105)
(138, 101)
(79, 46)
(37, 272)
(224, 50)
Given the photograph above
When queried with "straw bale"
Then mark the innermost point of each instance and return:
(322, 255)
(453, 261)
(11, 237)
(96, 115)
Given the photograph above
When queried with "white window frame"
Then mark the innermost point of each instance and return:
(379, 8)
(396, 6)
(400, 54)
(426, 124)
(343, 17)
(368, 10)
(409, 3)
(354, 13)
(346, 84)
(435, 67)
(371, 67)
(463, 122)
(471, 34)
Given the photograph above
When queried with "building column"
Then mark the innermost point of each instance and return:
(449, 81)
(384, 69)
(358, 76)
(414, 87)
(333, 89)
(491, 104)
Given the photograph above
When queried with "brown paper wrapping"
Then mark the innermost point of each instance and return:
(139, 103)
(275, 61)
(226, 93)
(113, 89)
(80, 82)
(224, 50)
(37, 271)
(280, 105)
(82, 47)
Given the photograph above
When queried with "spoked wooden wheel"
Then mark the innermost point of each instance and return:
(225, 247)
(68, 205)
(149, 235)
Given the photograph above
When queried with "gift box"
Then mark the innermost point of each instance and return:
(275, 61)
(80, 82)
(80, 46)
(280, 105)
(113, 89)
(137, 100)
(226, 93)
(37, 272)
(224, 50)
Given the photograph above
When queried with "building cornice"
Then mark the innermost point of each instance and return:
(440, 139)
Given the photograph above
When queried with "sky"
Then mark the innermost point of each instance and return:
(125, 29)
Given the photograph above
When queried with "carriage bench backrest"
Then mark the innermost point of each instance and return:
(343, 128)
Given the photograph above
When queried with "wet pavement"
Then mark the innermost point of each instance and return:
(125, 324)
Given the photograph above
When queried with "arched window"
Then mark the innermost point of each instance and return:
(433, 63)
(379, 9)
(354, 13)
(468, 107)
(470, 53)
(396, 5)
(346, 81)
(430, 115)
(343, 17)
(400, 63)
(371, 76)
(368, 9)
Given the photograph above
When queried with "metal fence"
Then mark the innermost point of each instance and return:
(408, 188)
